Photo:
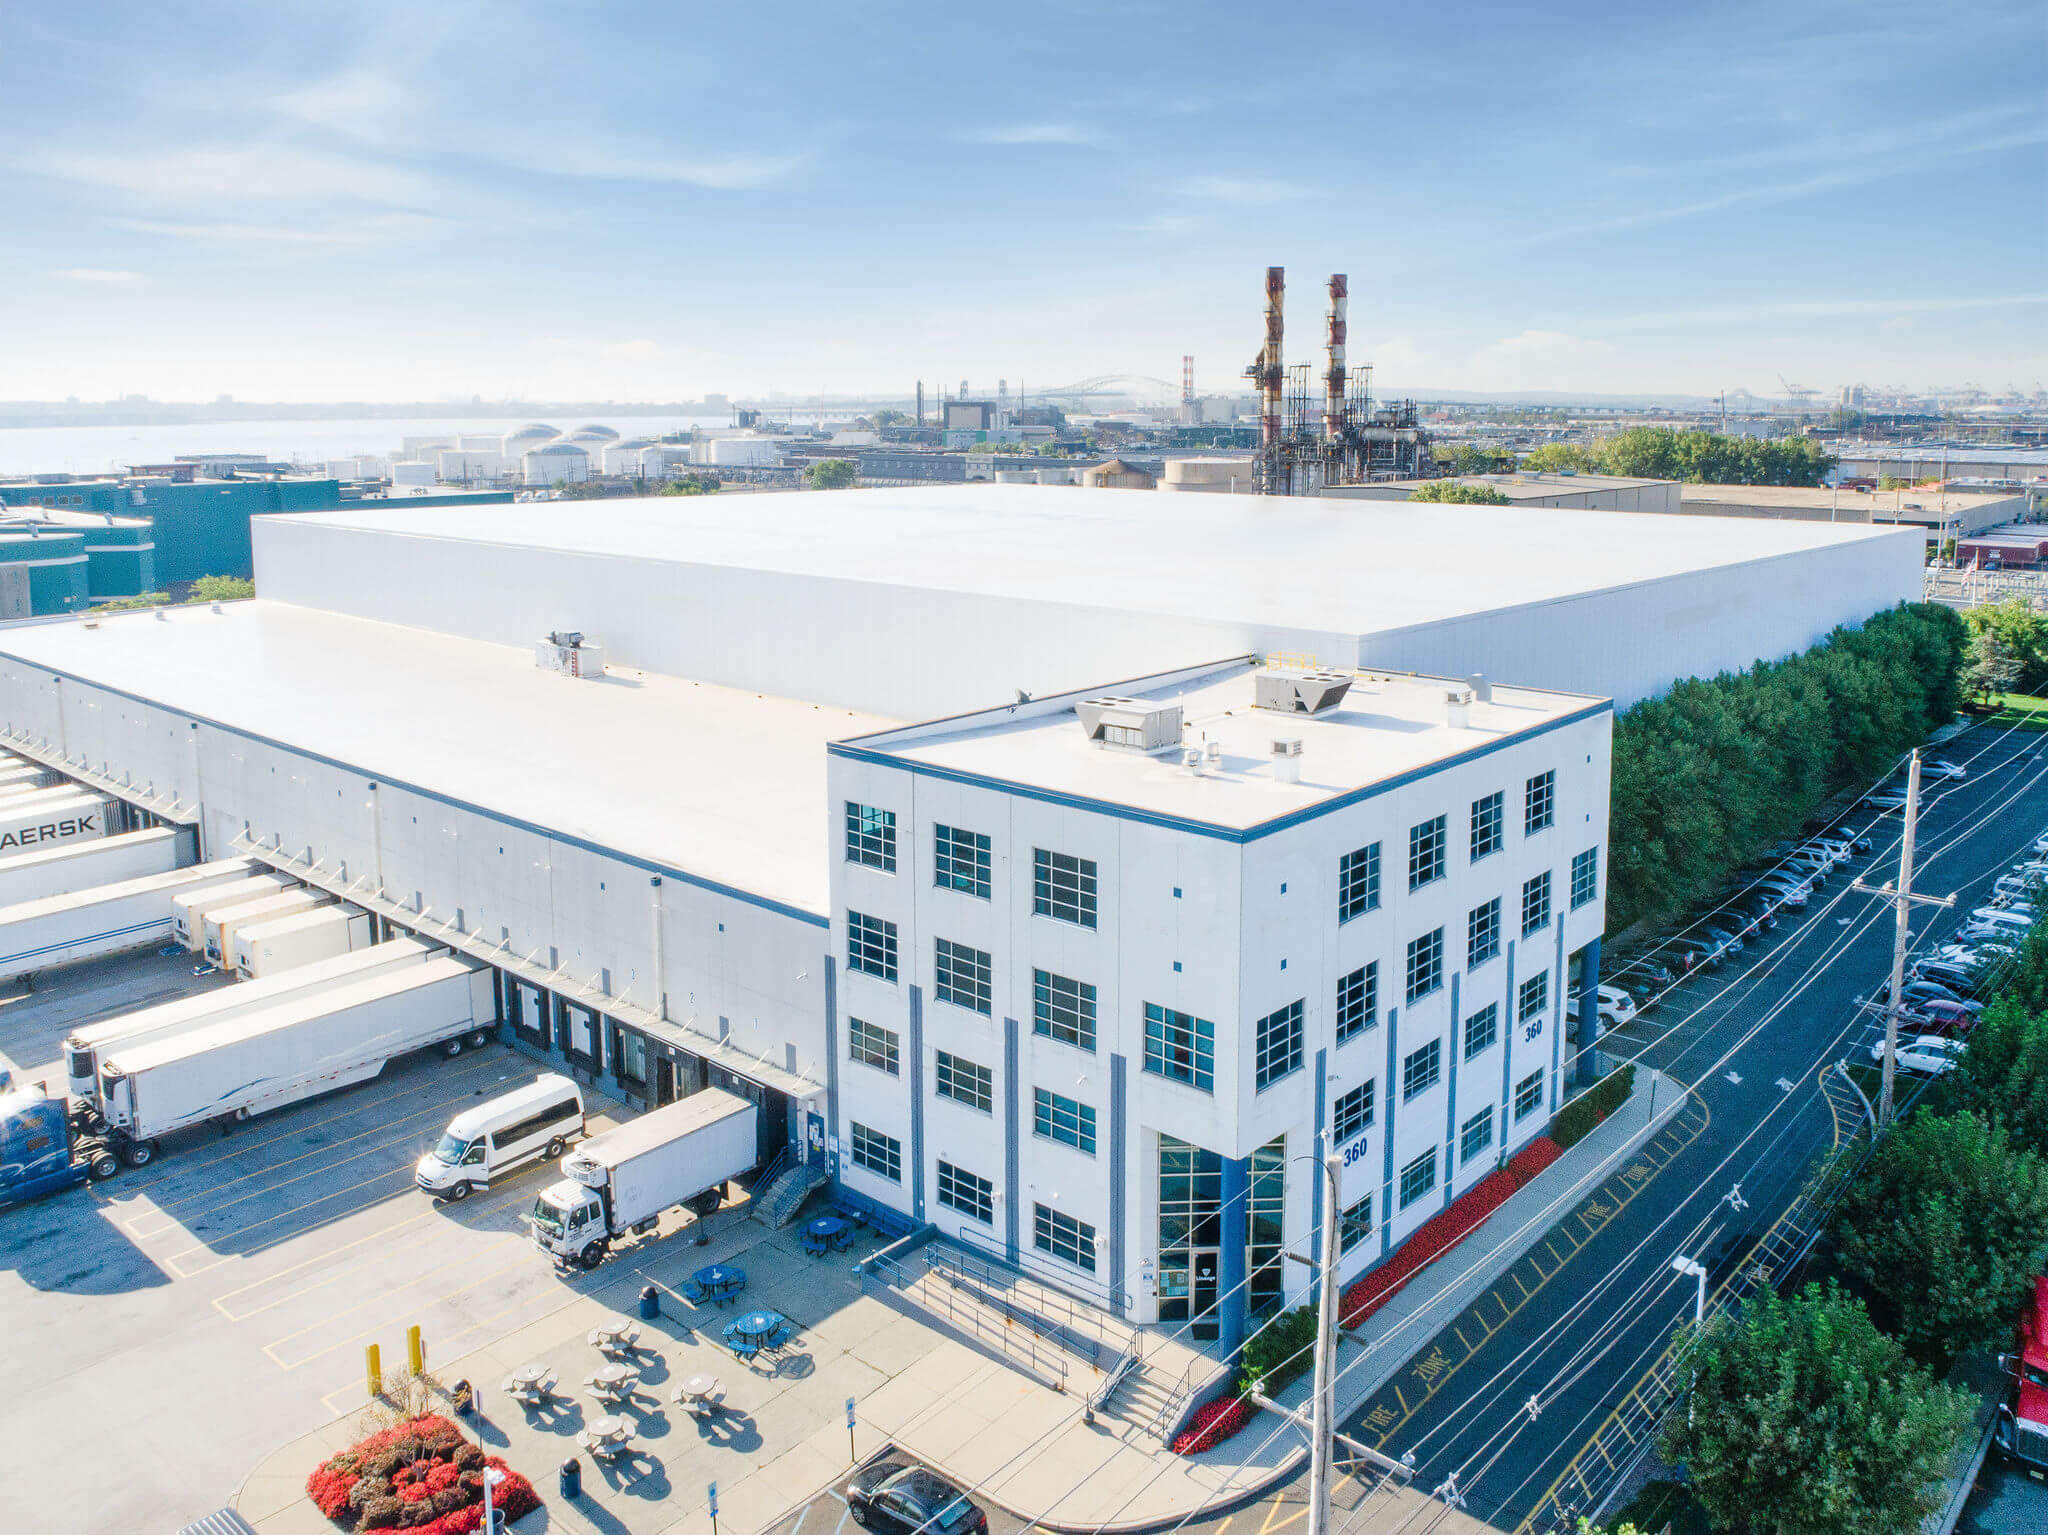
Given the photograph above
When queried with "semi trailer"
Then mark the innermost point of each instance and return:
(304, 938)
(85, 1047)
(48, 817)
(188, 912)
(624, 1179)
(74, 866)
(220, 923)
(86, 924)
(299, 1049)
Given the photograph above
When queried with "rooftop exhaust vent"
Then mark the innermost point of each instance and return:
(1458, 706)
(1135, 724)
(1287, 759)
(570, 653)
(1292, 690)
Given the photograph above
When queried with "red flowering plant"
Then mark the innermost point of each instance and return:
(420, 1475)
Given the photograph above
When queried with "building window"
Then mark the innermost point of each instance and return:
(1536, 903)
(962, 977)
(1528, 1094)
(872, 1045)
(974, 1197)
(1062, 1119)
(1358, 882)
(1180, 1046)
(960, 861)
(1482, 933)
(1356, 1226)
(1278, 1050)
(1482, 1029)
(1358, 1001)
(1539, 803)
(1190, 1216)
(1062, 1009)
(964, 1081)
(871, 837)
(1352, 1113)
(1425, 964)
(1585, 877)
(1486, 825)
(1422, 1068)
(1531, 1000)
(1265, 1222)
(1063, 1237)
(1426, 853)
(1418, 1178)
(1475, 1136)
(1063, 887)
(880, 1154)
(871, 946)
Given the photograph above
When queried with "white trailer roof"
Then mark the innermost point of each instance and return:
(201, 876)
(662, 1125)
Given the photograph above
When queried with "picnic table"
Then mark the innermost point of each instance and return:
(614, 1337)
(700, 1394)
(755, 1330)
(825, 1232)
(530, 1383)
(720, 1281)
(610, 1382)
(608, 1436)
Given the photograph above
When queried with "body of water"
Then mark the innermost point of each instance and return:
(97, 449)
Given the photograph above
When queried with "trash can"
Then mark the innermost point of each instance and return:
(571, 1485)
(650, 1304)
(465, 1399)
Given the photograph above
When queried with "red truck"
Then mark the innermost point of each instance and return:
(2022, 1431)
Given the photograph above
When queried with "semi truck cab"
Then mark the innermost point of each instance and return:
(2022, 1430)
(38, 1152)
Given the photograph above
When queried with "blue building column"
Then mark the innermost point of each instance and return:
(1234, 1236)
(914, 1080)
(1587, 1035)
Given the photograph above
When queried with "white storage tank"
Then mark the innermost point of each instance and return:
(412, 472)
(469, 463)
(553, 463)
(745, 452)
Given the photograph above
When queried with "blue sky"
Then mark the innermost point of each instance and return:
(647, 201)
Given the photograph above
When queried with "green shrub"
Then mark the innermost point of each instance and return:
(1280, 1352)
(1575, 1121)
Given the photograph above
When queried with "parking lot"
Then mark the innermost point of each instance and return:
(210, 1306)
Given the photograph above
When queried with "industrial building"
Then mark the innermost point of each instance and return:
(1584, 492)
(1938, 512)
(977, 833)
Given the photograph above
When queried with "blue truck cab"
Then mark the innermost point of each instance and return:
(38, 1153)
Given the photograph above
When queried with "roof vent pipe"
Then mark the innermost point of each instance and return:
(1458, 708)
(1191, 759)
(1482, 690)
(1287, 759)
(1213, 750)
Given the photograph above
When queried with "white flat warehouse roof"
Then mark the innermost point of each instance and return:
(725, 785)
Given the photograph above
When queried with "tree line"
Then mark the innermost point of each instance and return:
(1699, 458)
(1712, 774)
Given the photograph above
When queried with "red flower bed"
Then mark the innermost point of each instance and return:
(1443, 1231)
(420, 1475)
(1213, 1423)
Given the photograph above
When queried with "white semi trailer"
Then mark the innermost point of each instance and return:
(25, 776)
(188, 912)
(85, 924)
(304, 938)
(84, 1049)
(298, 1049)
(102, 861)
(624, 1179)
(220, 923)
(47, 817)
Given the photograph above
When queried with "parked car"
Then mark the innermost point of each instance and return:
(1952, 1019)
(1725, 934)
(1790, 889)
(902, 1497)
(1759, 908)
(1941, 767)
(1994, 922)
(2041, 847)
(1617, 1007)
(1918, 993)
(1649, 974)
(1884, 801)
(1695, 952)
(1810, 862)
(1928, 1054)
(1959, 976)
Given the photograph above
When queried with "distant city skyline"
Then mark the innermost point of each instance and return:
(391, 204)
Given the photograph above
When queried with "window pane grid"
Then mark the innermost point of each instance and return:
(1425, 964)
(871, 837)
(1426, 853)
(1536, 903)
(1418, 1178)
(1356, 1226)
(1482, 1029)
(1528, 1095)
(1585, 877)
(1358, 882)
(962, 976)
(1063, 887)
(873, 1045)
(1063, 1237)
(1475, 1136)
(880, 1154)
(1358, 1001)
(1539, 802)
(1056, 1118)
(871, 946)
(973, 1196)
(964, 1081)
(1278, 1049)
(1063, 1009)
(1422, 1069)
(1486, 825)
(1482, 933)
(1180, 1046)
(1353, 1112)
(960, 861)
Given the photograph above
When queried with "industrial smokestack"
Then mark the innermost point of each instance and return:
(1272, 374)
(920, 402)
(1333, 381)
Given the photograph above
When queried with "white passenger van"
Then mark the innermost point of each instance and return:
(537, 1120)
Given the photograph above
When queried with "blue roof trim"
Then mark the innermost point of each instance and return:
(768, 903)
(1209, 828)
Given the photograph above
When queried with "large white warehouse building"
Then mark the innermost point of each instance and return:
(974, 833)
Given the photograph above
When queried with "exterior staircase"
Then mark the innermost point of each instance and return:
(778, 1205)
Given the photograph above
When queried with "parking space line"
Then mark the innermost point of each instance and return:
(183, 1219)
(415, 1306)
(333, 1316)
(175, 1262)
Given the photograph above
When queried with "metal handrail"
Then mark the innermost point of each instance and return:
(1058, 1310)
(1180, 1394)
(1021, 1348)
(1116, 1300)
(1113, 1377)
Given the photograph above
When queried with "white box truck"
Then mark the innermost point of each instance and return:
(622, 1180)
(188, 912)
(36, 935)
(48, 817)
(217, 928)
(103, 861)
(284, 1054)
(84, 1048)
(282, 943)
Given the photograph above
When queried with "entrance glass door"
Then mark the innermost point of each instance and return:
(1204, 1266)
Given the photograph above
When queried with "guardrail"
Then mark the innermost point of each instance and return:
(1050, 1313)
(1118, 1301)
(1020, 1346)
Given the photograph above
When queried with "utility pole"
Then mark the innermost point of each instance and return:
(1902, 899)
(1325, 1406)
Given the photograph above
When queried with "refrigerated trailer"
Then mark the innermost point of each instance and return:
(188, 912)
(283, 943)
(27, 776)
(298, 1049)
(48, 817)
(221, 923)
(85, 924)
(102, 861)
(84, 1049)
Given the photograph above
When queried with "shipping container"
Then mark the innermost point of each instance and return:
(188, 912)
(48, 817)
(283, 943)
(218, 926)
(84, 924)
(102, 861)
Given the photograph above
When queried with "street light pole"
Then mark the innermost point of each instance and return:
(1325, 1406)
(492, 1476)
(1693, 1269)
(1902, 898)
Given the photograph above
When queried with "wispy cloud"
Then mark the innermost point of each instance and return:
(1827, 308)
(97, 274)
(725, 173)
(253, 174)
(371, 229)
(1241, 190)
(1038, 133)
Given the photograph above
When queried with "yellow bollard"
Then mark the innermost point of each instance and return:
(416, 1350)
(373, 1370)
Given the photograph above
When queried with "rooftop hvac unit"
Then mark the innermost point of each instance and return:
(1293, 691)
(570, 653)
(1135, 724)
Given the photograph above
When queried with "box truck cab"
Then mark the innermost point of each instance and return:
(537, 1120)
(2022, 1427)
